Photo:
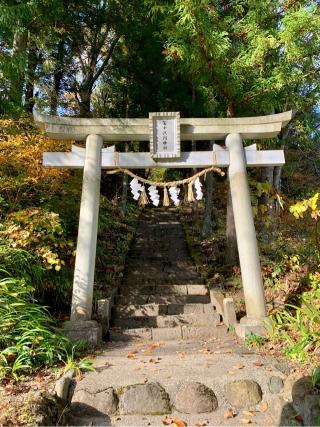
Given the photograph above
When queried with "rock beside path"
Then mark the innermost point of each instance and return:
(151, 399)
(275, 384)
(195, 398)
(106, 401)
(311, 410)
(243, 393)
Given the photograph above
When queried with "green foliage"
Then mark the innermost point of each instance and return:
(298, 325)
(28, 337)
(40, 232)
(311, 205)
(254, 56)
(315, 377)
(263, 198)
(253, 340)
(298, 209)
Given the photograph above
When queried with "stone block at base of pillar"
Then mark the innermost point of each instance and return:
(229, 312)
(216, 298)
(87, 330)
(249, 326)
(104, 314)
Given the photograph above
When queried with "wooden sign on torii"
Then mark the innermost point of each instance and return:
(235, 157)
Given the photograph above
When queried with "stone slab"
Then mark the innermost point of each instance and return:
(166, 334)
(130, 334)
(87, 330)
(197, 290)
(217, 300)
(229, 312)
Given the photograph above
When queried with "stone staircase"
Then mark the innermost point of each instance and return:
(162, 297)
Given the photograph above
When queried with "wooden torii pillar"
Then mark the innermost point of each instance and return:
(94, 158)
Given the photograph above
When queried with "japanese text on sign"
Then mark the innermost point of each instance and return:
(165, 136)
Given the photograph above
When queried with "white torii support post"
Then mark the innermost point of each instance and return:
(93, 158)
(246, 234)
(82, 293)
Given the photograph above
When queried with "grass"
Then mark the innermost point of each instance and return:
(29, 339)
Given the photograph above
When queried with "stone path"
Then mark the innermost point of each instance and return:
(162, 295)
(170, 358)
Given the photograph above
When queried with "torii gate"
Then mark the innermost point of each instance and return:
(94, 158)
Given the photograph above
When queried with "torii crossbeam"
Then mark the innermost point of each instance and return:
(94, 158)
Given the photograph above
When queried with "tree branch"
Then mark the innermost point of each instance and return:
(106, 60)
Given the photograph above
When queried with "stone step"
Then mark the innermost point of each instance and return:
(163, 321)
(161, 299)
(160, 280)
(135, 310)
(166, 263)
(167, 334)
(163, 290)
(153, 253)
(161, 274)
(140, 283)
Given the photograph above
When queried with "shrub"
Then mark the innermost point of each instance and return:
(28, 337)
(299, 325)
(39, 231)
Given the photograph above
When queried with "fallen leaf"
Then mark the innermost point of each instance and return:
(152, 360)
(178, 423)
(248, 413)
(258, 363)
(131, 354)
(202, 423)
(263, 406)
(298, 418)
(238, 366)
(229, 350)
(153, 345)
(246, 421)
(181, 354)
(228, 414)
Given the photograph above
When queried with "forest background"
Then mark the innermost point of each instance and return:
(114, 58)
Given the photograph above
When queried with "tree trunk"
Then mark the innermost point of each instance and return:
(19, 48)
(31, 72)
(57, 78)
(265, 222)
(85, 102)
(124, 195)
(231, 253)
(277, 178)
(207, 220)
(194, 206)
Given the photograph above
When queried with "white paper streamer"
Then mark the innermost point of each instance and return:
(154, 195)
(198, 188)
(136, 188)
(174, 195)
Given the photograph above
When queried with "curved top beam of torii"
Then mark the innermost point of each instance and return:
(191, 129)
